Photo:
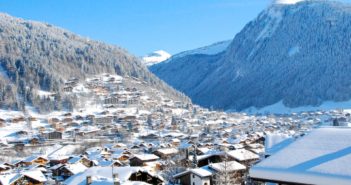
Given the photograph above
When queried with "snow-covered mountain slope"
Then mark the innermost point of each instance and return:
(287, 1)
(212, 49)
(155, 57)
(294, 53)
(38, 56)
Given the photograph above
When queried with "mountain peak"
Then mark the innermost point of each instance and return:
(287, 1)
(156, 57)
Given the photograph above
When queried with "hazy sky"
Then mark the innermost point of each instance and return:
(142, 26)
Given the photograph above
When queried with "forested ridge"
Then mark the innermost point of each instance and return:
(39, 56)
(298, 54)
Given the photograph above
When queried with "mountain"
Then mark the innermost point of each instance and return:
(293, 53)
(155, 57)
(212, 49)
(287, 1)
(36, 56)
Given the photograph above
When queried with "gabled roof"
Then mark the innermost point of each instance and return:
(229, 167)
(146, 157)
(320, 157)
(30, 159)
(36, 175)
(243, 155)
(75, 168)
(103, 175)
(168, 151)
(7, 179)
(198, 171)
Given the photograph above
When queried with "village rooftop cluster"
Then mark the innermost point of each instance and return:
(122, 131)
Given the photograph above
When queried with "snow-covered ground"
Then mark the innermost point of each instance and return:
(280, 108)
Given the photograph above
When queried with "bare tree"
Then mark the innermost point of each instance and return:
(171, 168)
(226, 173)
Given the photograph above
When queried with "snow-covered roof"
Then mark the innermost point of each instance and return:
(103, 175)
(198, 171)
(243, 155)
(168, 151)
(7, 179)
(74, 159)
(229, 167)
(75, 168)
(35, 174)
(146, 157)
(32, 158)
(320, 157)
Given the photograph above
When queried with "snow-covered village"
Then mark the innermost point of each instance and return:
(186, 92)
(119, 133)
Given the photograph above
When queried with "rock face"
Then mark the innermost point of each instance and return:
(36, 55)
(297, 53)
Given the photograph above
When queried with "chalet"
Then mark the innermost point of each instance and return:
(204, 160)
(144, 176)
(197, 176)
(175, 142)
(53, 135)
(87, 131)
(103, 120)
(119, 145)
(61, 159)
(105, 163)
(32, 177)
(34, 160)
(56, 169)
(151, 136)
(119, 175)
(111, 100)
(207, 174)
(69, 170)
(72, 82)
(80, 159)
(243, 156)
(18, 119)
(165, 153)
(67, 89)
(67, 120)
(140, 160)
(53, 120)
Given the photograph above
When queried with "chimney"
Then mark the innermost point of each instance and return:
(89, 180)
(116, 179)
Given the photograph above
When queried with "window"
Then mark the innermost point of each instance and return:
(193, 183)
(205, 183)
(193, 176)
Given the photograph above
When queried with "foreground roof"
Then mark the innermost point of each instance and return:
(103, 175)
(321, 157)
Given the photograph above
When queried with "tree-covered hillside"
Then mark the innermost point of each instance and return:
(295, 53)
(38, 56)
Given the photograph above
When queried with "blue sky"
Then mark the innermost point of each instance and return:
(142, 26)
